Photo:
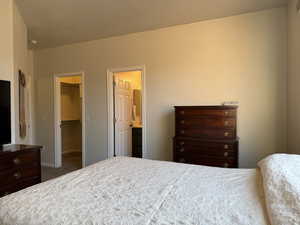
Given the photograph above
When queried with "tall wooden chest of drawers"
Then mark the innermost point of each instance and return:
(206, 135)
(20, 168)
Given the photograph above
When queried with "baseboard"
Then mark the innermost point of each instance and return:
(48, 165)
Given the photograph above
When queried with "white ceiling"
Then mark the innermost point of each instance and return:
(58, 22)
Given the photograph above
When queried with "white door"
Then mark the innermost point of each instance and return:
(123, 118)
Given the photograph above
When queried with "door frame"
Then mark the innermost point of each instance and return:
(30, 104)
(57, 117)
(110, 107)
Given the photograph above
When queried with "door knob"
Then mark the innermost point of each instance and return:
(17, 161)
(17, 175)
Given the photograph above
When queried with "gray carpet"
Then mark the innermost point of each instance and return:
(70, 162)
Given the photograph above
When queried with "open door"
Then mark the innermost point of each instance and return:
(123, 118)
(69, 109)
(126, 112)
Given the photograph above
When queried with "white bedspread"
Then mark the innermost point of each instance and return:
(128, 191)
(281, 173)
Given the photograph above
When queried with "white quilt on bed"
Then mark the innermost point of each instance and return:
(281, 173)
(128, 191)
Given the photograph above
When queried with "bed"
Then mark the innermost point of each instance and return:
(129, 191)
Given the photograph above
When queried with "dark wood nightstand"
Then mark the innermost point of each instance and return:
(20, 167)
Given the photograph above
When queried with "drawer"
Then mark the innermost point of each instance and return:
(206, 133)
(19, 160)
(205, 152)
(211, 157)
(206, 161)
(197, 112)
(18, 186)
(14, 176)
(205, 122)
(203, 145)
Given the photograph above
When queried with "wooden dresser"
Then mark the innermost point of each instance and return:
(206, 135)
(20, 168)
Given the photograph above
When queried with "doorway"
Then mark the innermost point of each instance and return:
(126, 108)
(69, 122)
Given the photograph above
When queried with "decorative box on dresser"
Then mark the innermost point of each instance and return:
(206, 135)
(20, 167)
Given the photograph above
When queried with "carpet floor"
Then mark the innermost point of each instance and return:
(70, 162)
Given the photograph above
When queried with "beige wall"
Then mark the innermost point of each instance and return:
(241, 58)
(293, 78)
(6, 39)
(14, 55)
(22, 61)
(6, 51)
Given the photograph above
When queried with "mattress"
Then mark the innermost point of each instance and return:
(129, 191)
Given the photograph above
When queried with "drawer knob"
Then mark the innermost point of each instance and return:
(226, 146)
(182, 131)
(226, 113)
(182, 112)
(17, 161)
(182, 160)
(226, 165)
(225, 154)
(182, 121)
(17, 175)
(181, 150)
(226, 123)
(182, 143)
(226, 134)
